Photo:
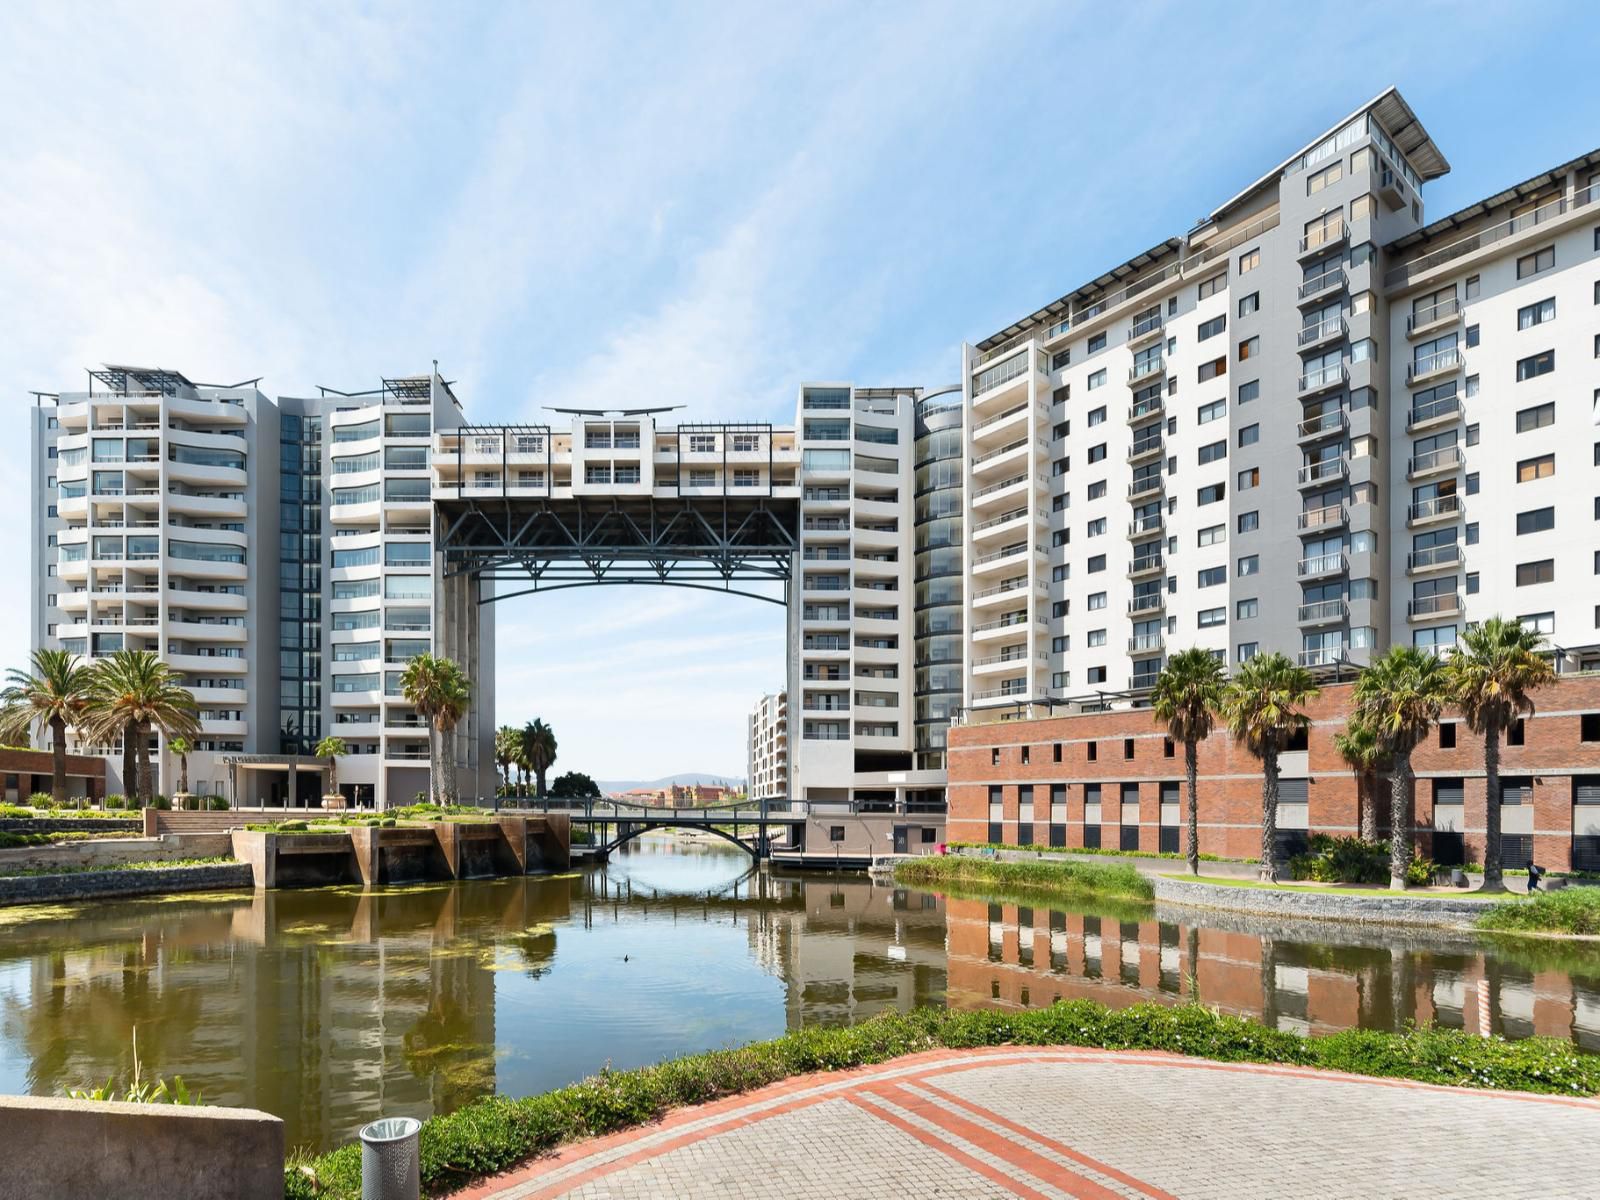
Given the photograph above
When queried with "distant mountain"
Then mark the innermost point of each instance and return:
(607, 786)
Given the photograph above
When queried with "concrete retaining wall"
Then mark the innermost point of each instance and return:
(70, 825)
(61, 1148)
(93, 885)
(109, 851)
(1288, 902)
(1145, 866)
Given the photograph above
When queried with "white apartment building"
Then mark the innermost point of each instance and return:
(1266, 434)
(190, 520)
(767, 748)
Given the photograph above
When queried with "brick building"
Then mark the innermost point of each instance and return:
(1112, 779)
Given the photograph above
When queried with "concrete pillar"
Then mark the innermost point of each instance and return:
(449, 835)
(364, 842)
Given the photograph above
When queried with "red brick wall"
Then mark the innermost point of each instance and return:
(1230, 776)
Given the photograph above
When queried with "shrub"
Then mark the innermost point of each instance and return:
(13, 841)
(116, 800)
(1420, 872)
(1045, 878)
(1341, 860)
(217, 803)
(16, 813)
(1572, 910)
(388, 823)
(42, 800)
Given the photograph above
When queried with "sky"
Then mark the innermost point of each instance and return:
(669, 203)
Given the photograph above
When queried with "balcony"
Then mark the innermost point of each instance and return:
(1329, 470)
(1328, 516)
(1005, 518)
(1325, 238)
(992, 488)
(1145, 643)
(1328, 424)
(1435, 508)
(1319, 285)
(1446, 458)
(1146, 371)
(1433, 558)
(1149, 564)
(1145, 486)
(1432, 366)
(990, 456)
(1434, 412)
(1321, 656)
(1435, 316)
(1322, 564)
(1323, 379)
(1323, 612)
(1151, 602)
(1146, 410)
(1428, 608)
(1145, 526)
(1143, 448)
(1009, 414)
(1145, 331)
(1001, 555)
(1323, 331)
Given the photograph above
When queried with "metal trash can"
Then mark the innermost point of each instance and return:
(391, 1159)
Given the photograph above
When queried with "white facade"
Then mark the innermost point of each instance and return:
(767, 748)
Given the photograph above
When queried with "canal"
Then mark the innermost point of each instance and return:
(331, 1006)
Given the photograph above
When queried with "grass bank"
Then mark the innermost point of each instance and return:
(1112, 852)
(1046, 880)
(153, 864)
(1573, 911)
(1326, 889)
(495, 1133)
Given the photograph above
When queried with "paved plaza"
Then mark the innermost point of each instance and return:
(1047, 1123)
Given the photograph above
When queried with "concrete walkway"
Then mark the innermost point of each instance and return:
(1051, 1123)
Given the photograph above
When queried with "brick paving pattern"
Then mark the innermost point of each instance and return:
(1049, 1124)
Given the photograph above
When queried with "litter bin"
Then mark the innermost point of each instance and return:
(390, 1159)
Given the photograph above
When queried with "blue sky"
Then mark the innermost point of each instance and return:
(672, 203)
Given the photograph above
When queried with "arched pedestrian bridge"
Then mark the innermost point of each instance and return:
(750, 825)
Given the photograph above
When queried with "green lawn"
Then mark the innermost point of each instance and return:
(1323, 889)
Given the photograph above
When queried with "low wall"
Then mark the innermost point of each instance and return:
(61, 1148)
(70, 825)
(95, 885)
(1145, 866)
(1289, 902)
(108, 851)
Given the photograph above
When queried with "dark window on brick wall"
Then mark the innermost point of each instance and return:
(1167, 750)
(1091, 837)
(1025, 750)
(1447, 736)
(1057, 753)
(1092, 751)
(1127, 747)
(1517, 732)
(1589, 727)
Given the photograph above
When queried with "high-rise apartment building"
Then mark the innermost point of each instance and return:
(1291, 428)
(277, 554)
(767, 748)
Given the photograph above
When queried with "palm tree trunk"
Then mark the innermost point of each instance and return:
(1269, 814)
(1399, 820)
(1493, 881)
(433, 762)
(58, 760)
(1367, 802)
(541, 774)
(142, 759)
(1191, 763)
(130, 762)
(448, 784)
(183, 773)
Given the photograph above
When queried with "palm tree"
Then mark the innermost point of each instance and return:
(1186, 698)
(1262, 706)
(440, 692)
(1363, 752)
(331, 748)
(132, 693)
(1492, 675)
(507, 741)
(539, 745)
(1400, 695)
(180, 746)
(52, 694)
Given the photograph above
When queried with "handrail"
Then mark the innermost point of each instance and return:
(1434, 506)
(1495, 233)
(1447, 359)
(1000, 520)
(1326, 235)
(1432, 460)
(1323, 610)
(1329, 376)
(1006, 449)
(1322, 282)
(1435, 605)
(1327, 514)
(1433, 556)
(1322, 564)
(1323, 329)
(1433, 409)
(1323, 423)
(1434, 312)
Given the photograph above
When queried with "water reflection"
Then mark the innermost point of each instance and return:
(333, 1005)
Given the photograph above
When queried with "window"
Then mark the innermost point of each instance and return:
(1098, 379)
(1210, 617)
(406, 554)
(1249, 435)
(1536, 468)
(1247, 651)
(1210, 329)
(1536, 520)
(1214, 452)
(1097, 343)
(1249, 304)
(1249, 260)
(1536, 418)
(1247, 610)
(1471, 535)
(1095, 527)
(1536, 314)
(836, 833)
(1589, 727)
(1529, 573)
(1060, 644)
(1210, 287)
(1097, 563)
(1473, 336)
(1097, 675)
(1361, 208)
(1472, 583)
(1249, 348)
(1532, 264)
(1473, 286)
(1317, 180)
(1097, 453)
(1127, 753)
(1213, 535)
(1061, 358)
(1097, 490)
(1249, 391)
(1214, 368)
(1250, 564)
(1097, 601)
(1212, 577)
(1447, 736)
(1544, 622)
(1472, 434)
(1210, 494)
(1097, 416)
(1214, 411)
(1472, 483)
(1249, 478)
(1097, 637)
